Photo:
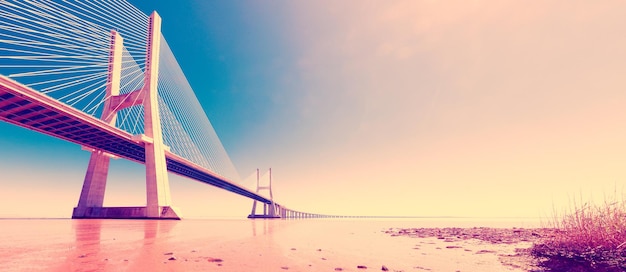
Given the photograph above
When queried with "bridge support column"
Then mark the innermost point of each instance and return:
(158, 199)
(92, 195)
(270, 210)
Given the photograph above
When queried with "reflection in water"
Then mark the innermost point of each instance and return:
(89, 231)
(155, 228)
(262, 226)
(158, 245)
(95, 239)
(86, 255)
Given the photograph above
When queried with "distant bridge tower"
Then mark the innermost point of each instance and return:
(90, 204)
(270, 210)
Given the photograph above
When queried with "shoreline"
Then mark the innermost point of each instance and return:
(259, 245)
(495, 241)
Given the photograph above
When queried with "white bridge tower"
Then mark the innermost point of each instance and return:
(158, 201)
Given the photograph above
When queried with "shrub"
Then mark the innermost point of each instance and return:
(588, 238)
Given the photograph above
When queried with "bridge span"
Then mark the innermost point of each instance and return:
(57, 56)
(27, 108)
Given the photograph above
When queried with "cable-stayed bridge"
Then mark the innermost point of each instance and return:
(100, 74)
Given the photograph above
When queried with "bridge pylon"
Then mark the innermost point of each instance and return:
(158, 201)
(270, 210)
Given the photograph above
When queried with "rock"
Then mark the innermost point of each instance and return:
(361, 267)
(169, 253)
(284, 268)
(293, 248)
(214, 260)
(172, 258)
(338, 269)
(384, 268)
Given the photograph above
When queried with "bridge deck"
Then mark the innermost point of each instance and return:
(25, 107)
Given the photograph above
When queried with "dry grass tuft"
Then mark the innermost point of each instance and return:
(588, 238)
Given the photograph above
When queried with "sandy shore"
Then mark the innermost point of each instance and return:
(258, 245)
(510, 246)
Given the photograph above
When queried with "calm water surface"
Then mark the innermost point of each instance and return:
(109, 245)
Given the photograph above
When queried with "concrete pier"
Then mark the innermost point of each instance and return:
(123, 213)
(157, 184)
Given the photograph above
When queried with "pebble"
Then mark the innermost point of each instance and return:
(384, 268)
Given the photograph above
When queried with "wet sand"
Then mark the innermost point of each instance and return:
(511, 246)
(258, 245)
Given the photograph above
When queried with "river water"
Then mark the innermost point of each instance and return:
(217, 244)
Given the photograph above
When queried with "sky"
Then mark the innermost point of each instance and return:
(424, 108)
